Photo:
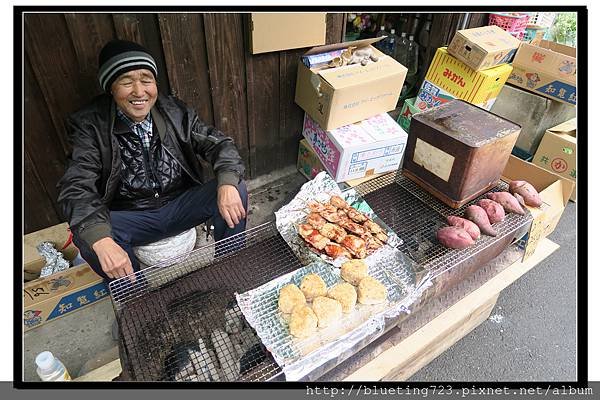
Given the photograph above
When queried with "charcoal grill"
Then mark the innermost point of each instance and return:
(179, 321)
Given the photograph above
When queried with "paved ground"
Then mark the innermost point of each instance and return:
(533, 337)
(531, 333)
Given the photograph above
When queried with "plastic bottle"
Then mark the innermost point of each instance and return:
(402, 49)
(390, 43)
(412, 56)
(381, 44)
(50, 368)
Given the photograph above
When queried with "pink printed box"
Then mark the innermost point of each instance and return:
(368, 147)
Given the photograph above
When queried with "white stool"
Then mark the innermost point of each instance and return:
(157, 252)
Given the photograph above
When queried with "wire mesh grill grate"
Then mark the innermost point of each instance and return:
(179, 320)
(415, 215)
(182, 322)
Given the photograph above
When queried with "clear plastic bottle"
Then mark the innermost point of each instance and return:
(50, 368)
(381, 44)
(402, 49)
(412, 56)
(390, 43)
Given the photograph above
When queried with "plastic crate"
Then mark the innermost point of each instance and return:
(543, 19)
(510, 22)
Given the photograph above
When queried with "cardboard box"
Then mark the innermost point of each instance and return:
(430, 96)
(59, 294)
(33, 262)
(554, 190)
(408, 110)
(336, 97)
(484, 47)
(451, 77)
(558, 152)
(549, 69)
(369, 147)
(308, 163)
(284, 31)
(533, 112)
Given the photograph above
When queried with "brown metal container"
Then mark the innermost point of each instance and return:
(458, 151)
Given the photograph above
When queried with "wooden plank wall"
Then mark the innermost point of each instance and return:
(202, 58)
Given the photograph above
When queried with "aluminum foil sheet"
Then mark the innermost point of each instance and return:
(298, 357)
(54, 259)
(321, 188)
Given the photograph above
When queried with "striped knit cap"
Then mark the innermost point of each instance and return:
(120, 56)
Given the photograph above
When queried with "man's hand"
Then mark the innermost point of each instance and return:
(230, 205)
(114, 260)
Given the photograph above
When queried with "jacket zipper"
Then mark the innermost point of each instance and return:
(147, 167)
(180, 164)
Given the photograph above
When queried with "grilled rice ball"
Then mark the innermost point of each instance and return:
(371, 291)
(289, 297)
(353, 271)
(303, 322)
(312, 286)
(327, 310)
(345, 293)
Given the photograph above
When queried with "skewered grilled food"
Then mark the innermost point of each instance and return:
(329, 225)
(315, 220)
(357, 216)
(334, 251)
(338, 202)
(355, 245)
(333, 232)
(312, 236)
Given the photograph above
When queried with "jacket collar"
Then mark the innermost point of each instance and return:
(120, 127)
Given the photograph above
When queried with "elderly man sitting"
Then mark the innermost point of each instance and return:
(134, 176)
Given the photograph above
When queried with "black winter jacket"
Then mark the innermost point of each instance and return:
(93, 172)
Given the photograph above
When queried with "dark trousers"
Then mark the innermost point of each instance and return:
(138, 228)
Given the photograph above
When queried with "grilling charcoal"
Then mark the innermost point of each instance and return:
(254, 356)
(226, 354)
(205, 363)
(178, 365)
(233, 320)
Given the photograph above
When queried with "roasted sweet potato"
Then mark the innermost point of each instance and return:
(467, 225)
(527, 191)
(479, 216)
(454, 237)
(494, 211)
(507, 201)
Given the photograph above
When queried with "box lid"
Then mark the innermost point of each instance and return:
(378, 128)
(351, 75)
(283, 31)
(490, 38)
(469, 124)
(567, 128)
(343, 45)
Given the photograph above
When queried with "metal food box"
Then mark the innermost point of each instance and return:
(457, 151)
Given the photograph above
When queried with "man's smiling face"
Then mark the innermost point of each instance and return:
(135, 93)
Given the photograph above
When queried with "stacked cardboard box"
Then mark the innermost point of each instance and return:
(61, 293)
(473, 68)
(558, 151)
(549, 69)
(346, 123)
